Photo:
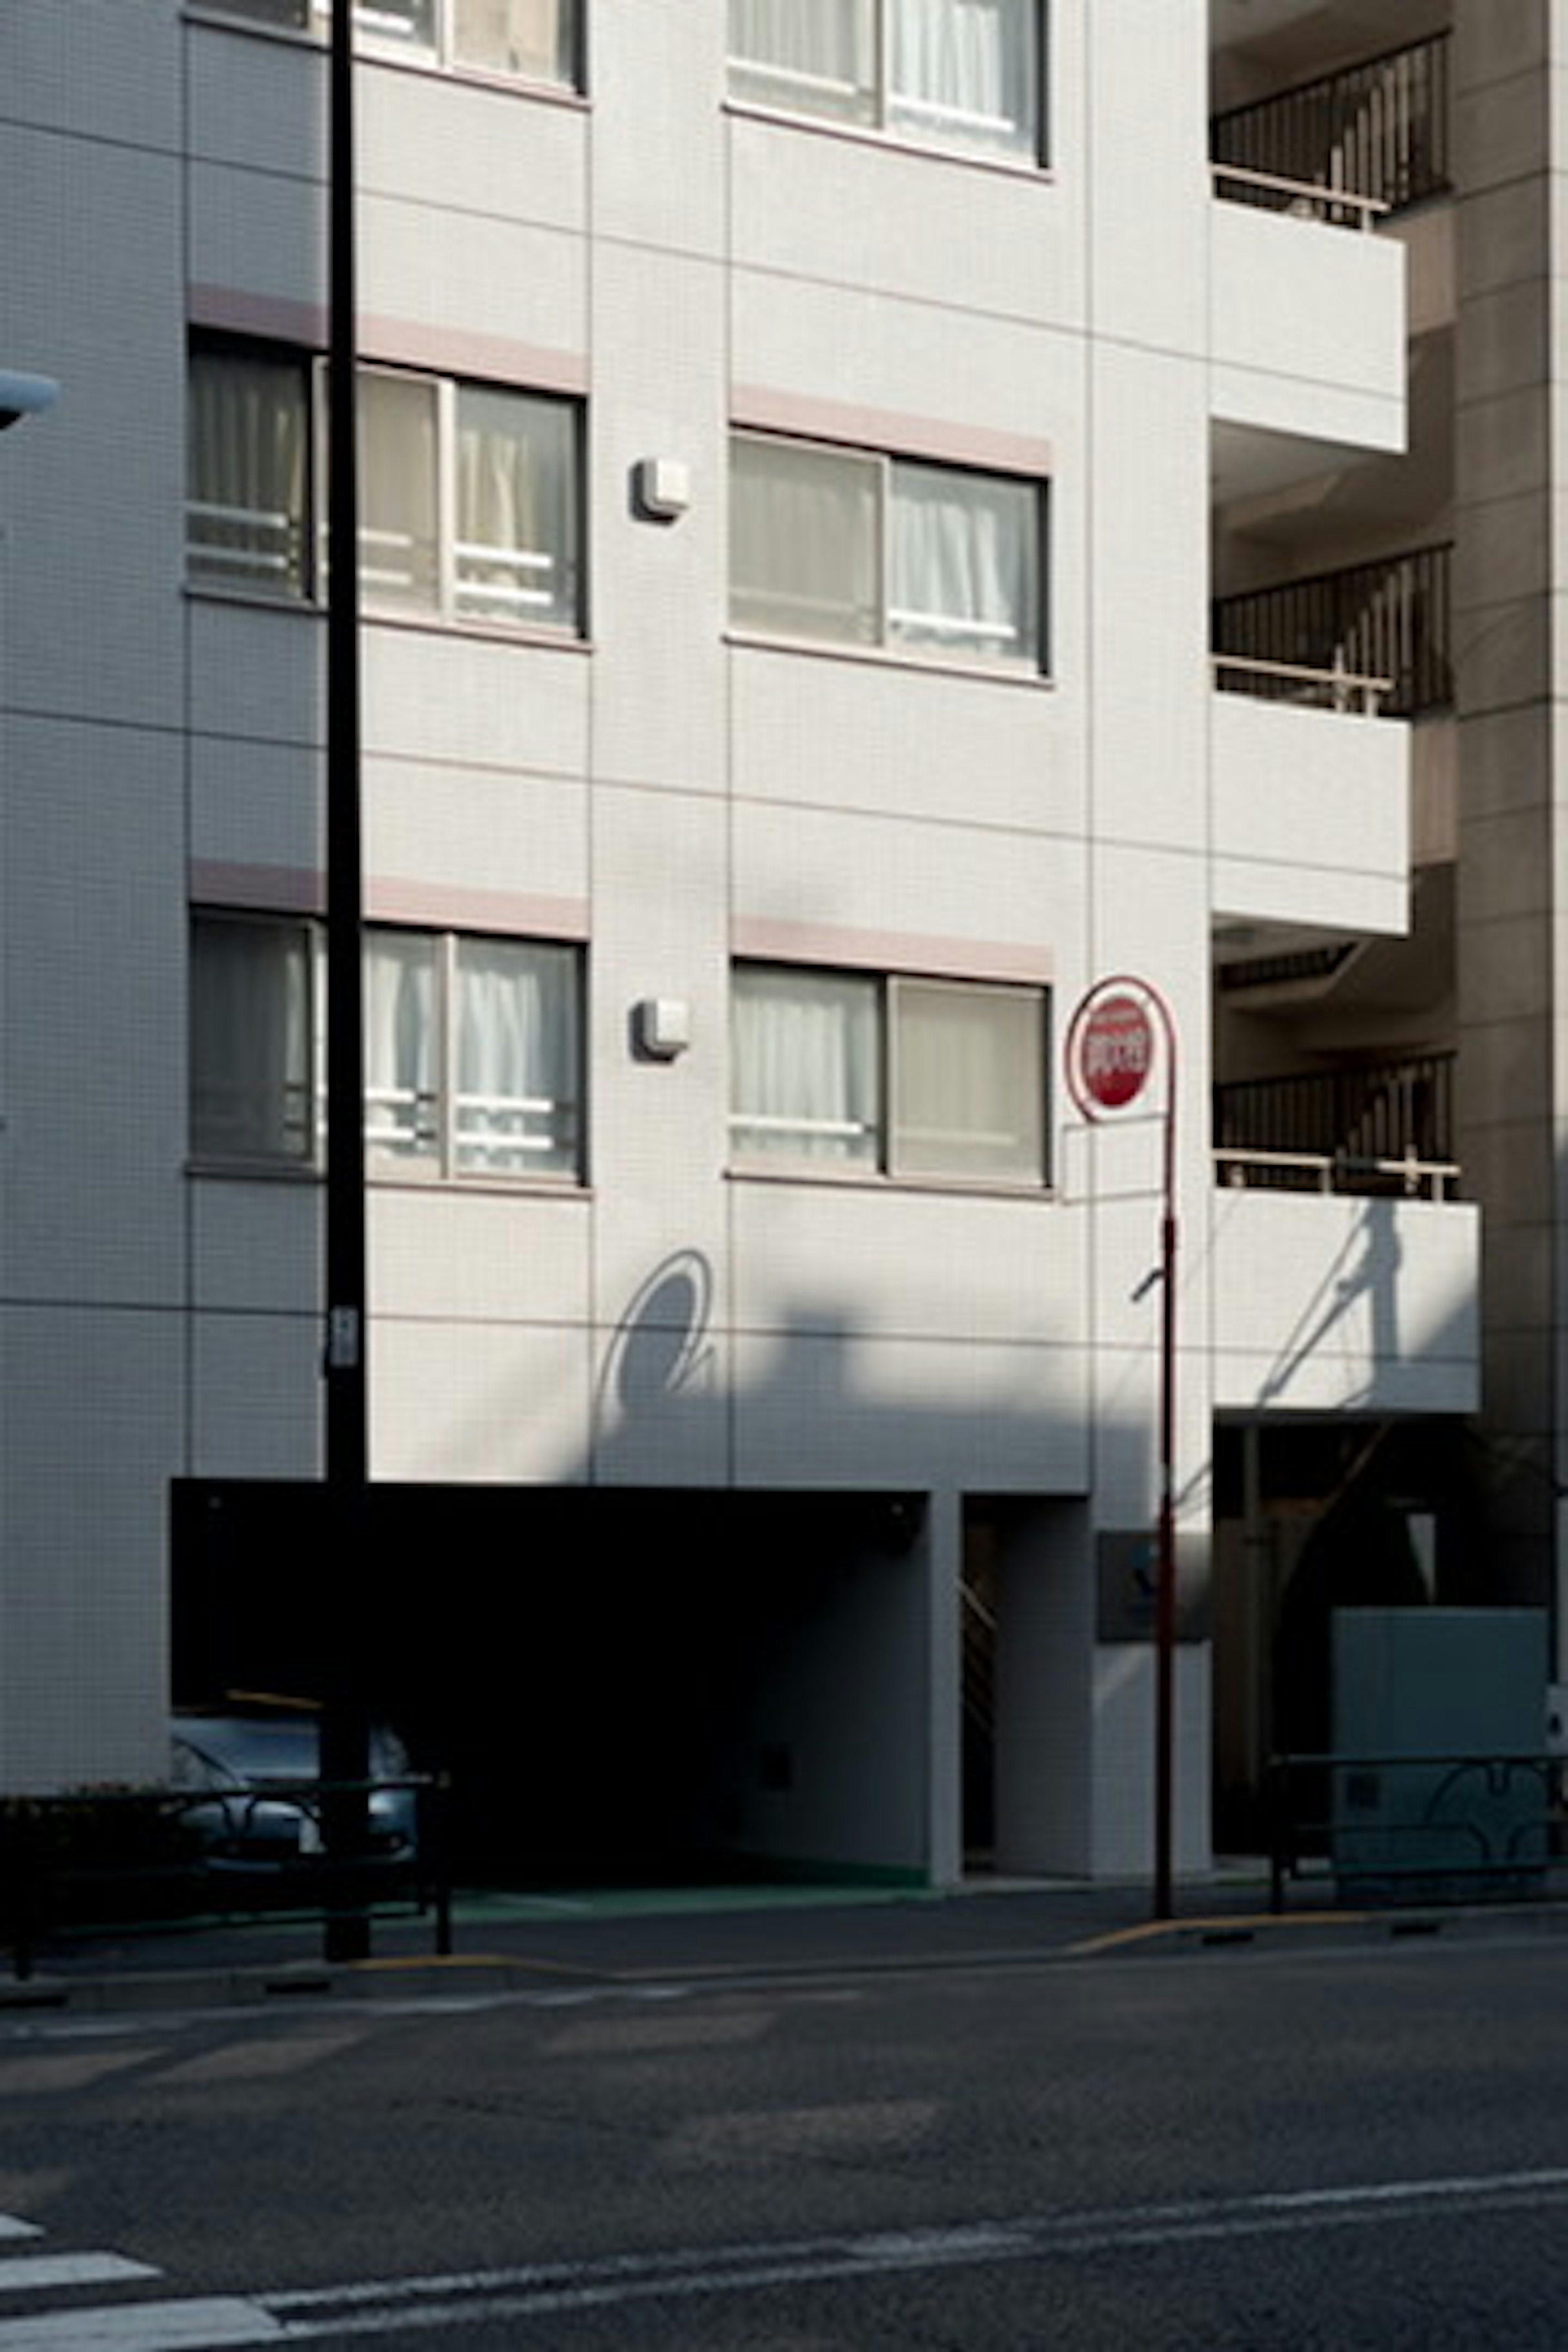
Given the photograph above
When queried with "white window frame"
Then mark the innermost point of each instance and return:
(376, 28)
(839, 1149)
(966, 641)
(455, 603)
(877, 108)
(251, 549)
(295, 1117)
(440, 1147)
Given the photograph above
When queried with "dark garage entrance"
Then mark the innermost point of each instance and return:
(624, 1684)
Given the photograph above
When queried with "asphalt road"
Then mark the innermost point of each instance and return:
(1359, 2146)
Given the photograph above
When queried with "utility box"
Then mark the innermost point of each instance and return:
(1444, 1794)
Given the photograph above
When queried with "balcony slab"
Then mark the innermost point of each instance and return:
(1311, 815)
(1328, 1304)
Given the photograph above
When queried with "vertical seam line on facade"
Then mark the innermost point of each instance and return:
(726, 653)
(188, 767)
(593, 527)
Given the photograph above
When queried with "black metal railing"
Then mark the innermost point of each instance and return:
(1362, 1128)
(1378, 130)
(1387, 619)
(1288, 969)
(160, 1857)
(1384, 1829)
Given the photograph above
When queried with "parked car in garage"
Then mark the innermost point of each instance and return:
(255, 1780)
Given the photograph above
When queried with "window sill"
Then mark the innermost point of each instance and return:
(295, 36)
(490, 633)
(298, 1172)
(250, 600)
(853, 1180)
(864, 134)
(505, 1188)
(253, 1171)
(896, 658)
(554, 93)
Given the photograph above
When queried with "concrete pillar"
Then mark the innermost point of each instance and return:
(1511, 437)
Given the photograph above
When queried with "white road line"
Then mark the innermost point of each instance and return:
(25, 2274)
(192, 2326)
(463, 2298)
(377, 2307)
(1479, 2184)
(13, 2226)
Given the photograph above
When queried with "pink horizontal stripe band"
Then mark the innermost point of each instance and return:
(855, 427)
(276, 318)
(464, 907)
(269, 890)
(389, 899)
(407, 343)
(912, 951)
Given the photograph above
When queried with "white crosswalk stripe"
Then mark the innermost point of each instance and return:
(36, 2275)
(203, 2324)
(29, 2272)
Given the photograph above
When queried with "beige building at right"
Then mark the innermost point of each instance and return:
(1443, 571)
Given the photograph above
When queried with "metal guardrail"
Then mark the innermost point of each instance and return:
(1356, 692)
(1379, 129)
(1304, 199)
(1373, 1127)
(1332, 636)
(105, 1859)
(1339, 1173)
(1429, 1827)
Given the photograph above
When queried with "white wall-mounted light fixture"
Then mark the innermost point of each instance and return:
(662, 1027)
(25, 395)
(662, 487)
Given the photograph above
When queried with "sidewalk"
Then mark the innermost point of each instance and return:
(516, 1942)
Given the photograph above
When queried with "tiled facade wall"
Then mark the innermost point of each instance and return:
(664, 791)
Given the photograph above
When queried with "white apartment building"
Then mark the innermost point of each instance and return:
(873, 517)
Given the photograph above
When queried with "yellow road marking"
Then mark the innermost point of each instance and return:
(1147, 1930)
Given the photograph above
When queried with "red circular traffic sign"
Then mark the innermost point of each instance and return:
(1115, 1050)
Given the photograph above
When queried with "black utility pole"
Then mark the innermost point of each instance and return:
(345, 1723)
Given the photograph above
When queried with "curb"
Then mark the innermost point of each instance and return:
(246, 1986)
(419, 1976)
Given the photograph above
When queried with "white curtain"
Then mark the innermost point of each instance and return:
(250, 1039)
(803, 542)
(816, 55)
(532, 38)
(402, 1044)
(965, 70)
(806, 1078)
(397, 535)
(517, 507)
(964, 565)
(517, 1058)
(969, 1083)
(246, 475)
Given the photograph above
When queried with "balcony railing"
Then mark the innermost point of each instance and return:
(1382, 1128)
(1311, 965)
(1371, 138)
(1333, 638)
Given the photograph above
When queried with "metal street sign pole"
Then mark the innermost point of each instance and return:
(346, 1727)
(1109, 1052)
